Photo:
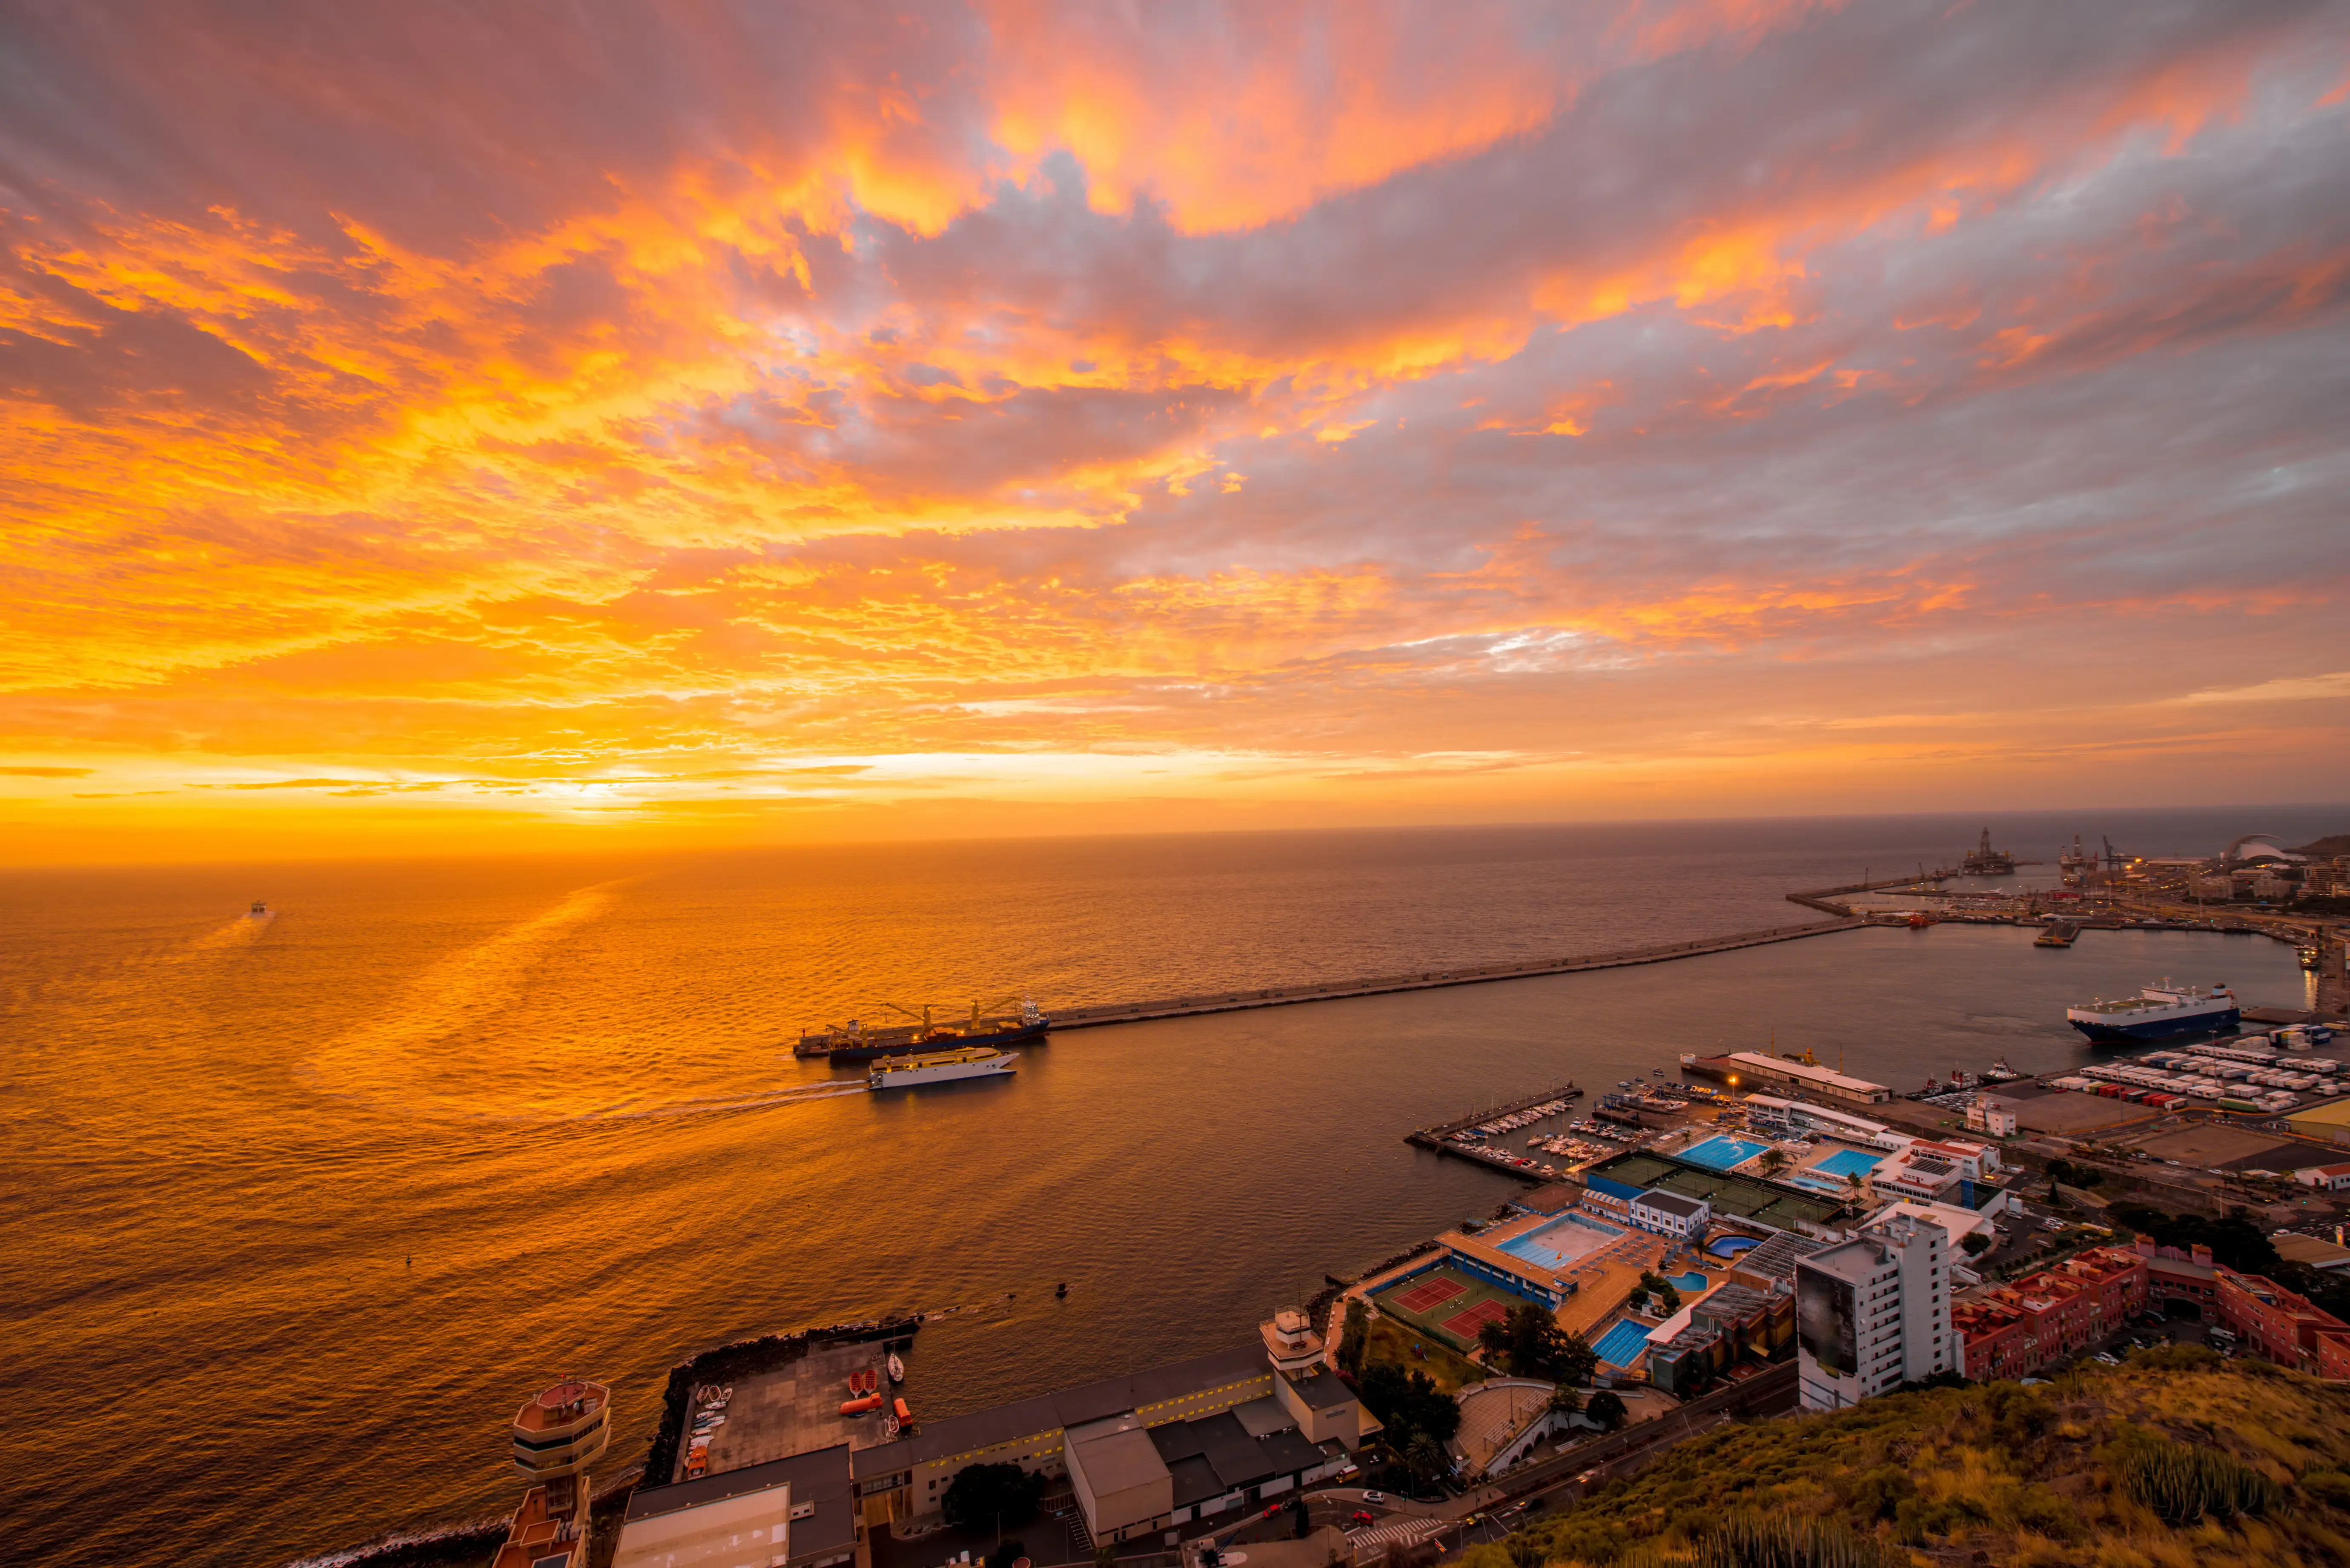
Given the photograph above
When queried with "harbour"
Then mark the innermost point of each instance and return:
(674, 1146)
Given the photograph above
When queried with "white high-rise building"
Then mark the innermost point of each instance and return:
(1874, 1312)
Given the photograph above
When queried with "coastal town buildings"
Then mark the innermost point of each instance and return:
(1874, 1312)
(2019, 1328)
(1670, 1214)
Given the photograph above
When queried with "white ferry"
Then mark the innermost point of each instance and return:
(2158, 1013)
(939, 1068)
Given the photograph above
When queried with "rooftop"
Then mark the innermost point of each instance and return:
(953, 1435)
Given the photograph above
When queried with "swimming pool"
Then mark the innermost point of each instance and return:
(1722, 1151)
(1819, 1184)
(1560, 1242)
(1845, 1161)
(1731, 1246)
(1689, 1283)
(1622, 1345)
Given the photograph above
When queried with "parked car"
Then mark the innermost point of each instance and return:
(1376, 1499)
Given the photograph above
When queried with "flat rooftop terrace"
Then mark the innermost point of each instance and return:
(795, 1410)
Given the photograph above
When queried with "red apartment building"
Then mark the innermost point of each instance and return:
(2047, 1316)
(2284, 1327)
(2061, 1312)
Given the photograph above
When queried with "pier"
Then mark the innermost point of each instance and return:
(1440, 1138)
(1383, 985)
(1824, 898)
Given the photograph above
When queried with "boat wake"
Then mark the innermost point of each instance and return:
(384, 1062)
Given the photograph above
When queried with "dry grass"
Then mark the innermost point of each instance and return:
(1391, 1341)
(2026, 1476)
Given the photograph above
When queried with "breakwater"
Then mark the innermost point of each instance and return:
(1433, 979)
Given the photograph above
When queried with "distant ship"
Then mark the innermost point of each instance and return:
(258, 909)
(940, 1067)
(2158, 1013)
(990, 1023)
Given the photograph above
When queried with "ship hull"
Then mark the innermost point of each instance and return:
(896, 1044)
(2221, 1022)
(907, 1075)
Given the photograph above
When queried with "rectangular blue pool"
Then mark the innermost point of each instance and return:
(1619, 1345)
(1845, 1161)
(1722, 1151)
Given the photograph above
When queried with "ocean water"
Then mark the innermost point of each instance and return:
(299, 1209)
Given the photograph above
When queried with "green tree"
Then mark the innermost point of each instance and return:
(1355, 1337)
(1565, 1400)
(1605, 1409)
(2236, 1242)
(1774, 1160)
(1977, 1243)
(1670, 1298)
(1639, 1300)
(1005, 1555)
(991, 1497)
(1493, 1338)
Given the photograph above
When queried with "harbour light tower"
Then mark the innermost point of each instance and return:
(557, 1434)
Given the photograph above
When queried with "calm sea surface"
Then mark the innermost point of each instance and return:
(299, 1209)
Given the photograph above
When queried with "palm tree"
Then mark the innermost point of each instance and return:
(1424, 1456)
(1774, 1160)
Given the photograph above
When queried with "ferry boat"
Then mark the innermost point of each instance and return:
(990, 1023)
(2158, 1013)
(940, 1067)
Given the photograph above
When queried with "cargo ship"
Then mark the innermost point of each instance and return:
(2158, 1013)
(940, 1067)
(992, 1023)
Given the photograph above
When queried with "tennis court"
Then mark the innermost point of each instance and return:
(1445, 1304)
(1428, 1294)
(1463, 1325)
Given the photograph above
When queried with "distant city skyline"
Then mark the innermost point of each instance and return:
(436, 429)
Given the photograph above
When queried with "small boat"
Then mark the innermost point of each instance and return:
(258, 909)
(1062, 1292)
(864, 1406)
(1999, 1072)
(897, 1368)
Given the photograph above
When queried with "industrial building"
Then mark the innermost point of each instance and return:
(1754, 1070)
(1874, 1312)
(1146, 1452)
(798, 1513)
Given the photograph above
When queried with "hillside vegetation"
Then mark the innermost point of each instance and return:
(2177, 1459)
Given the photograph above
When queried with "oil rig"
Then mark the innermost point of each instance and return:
(1982, 860)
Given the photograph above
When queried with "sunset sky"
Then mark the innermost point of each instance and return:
(462, 426)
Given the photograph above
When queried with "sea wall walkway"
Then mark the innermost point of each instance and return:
(1382, 985)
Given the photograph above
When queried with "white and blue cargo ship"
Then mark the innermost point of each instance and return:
(2158, 1013)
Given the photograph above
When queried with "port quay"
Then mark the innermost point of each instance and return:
(1841, 917)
